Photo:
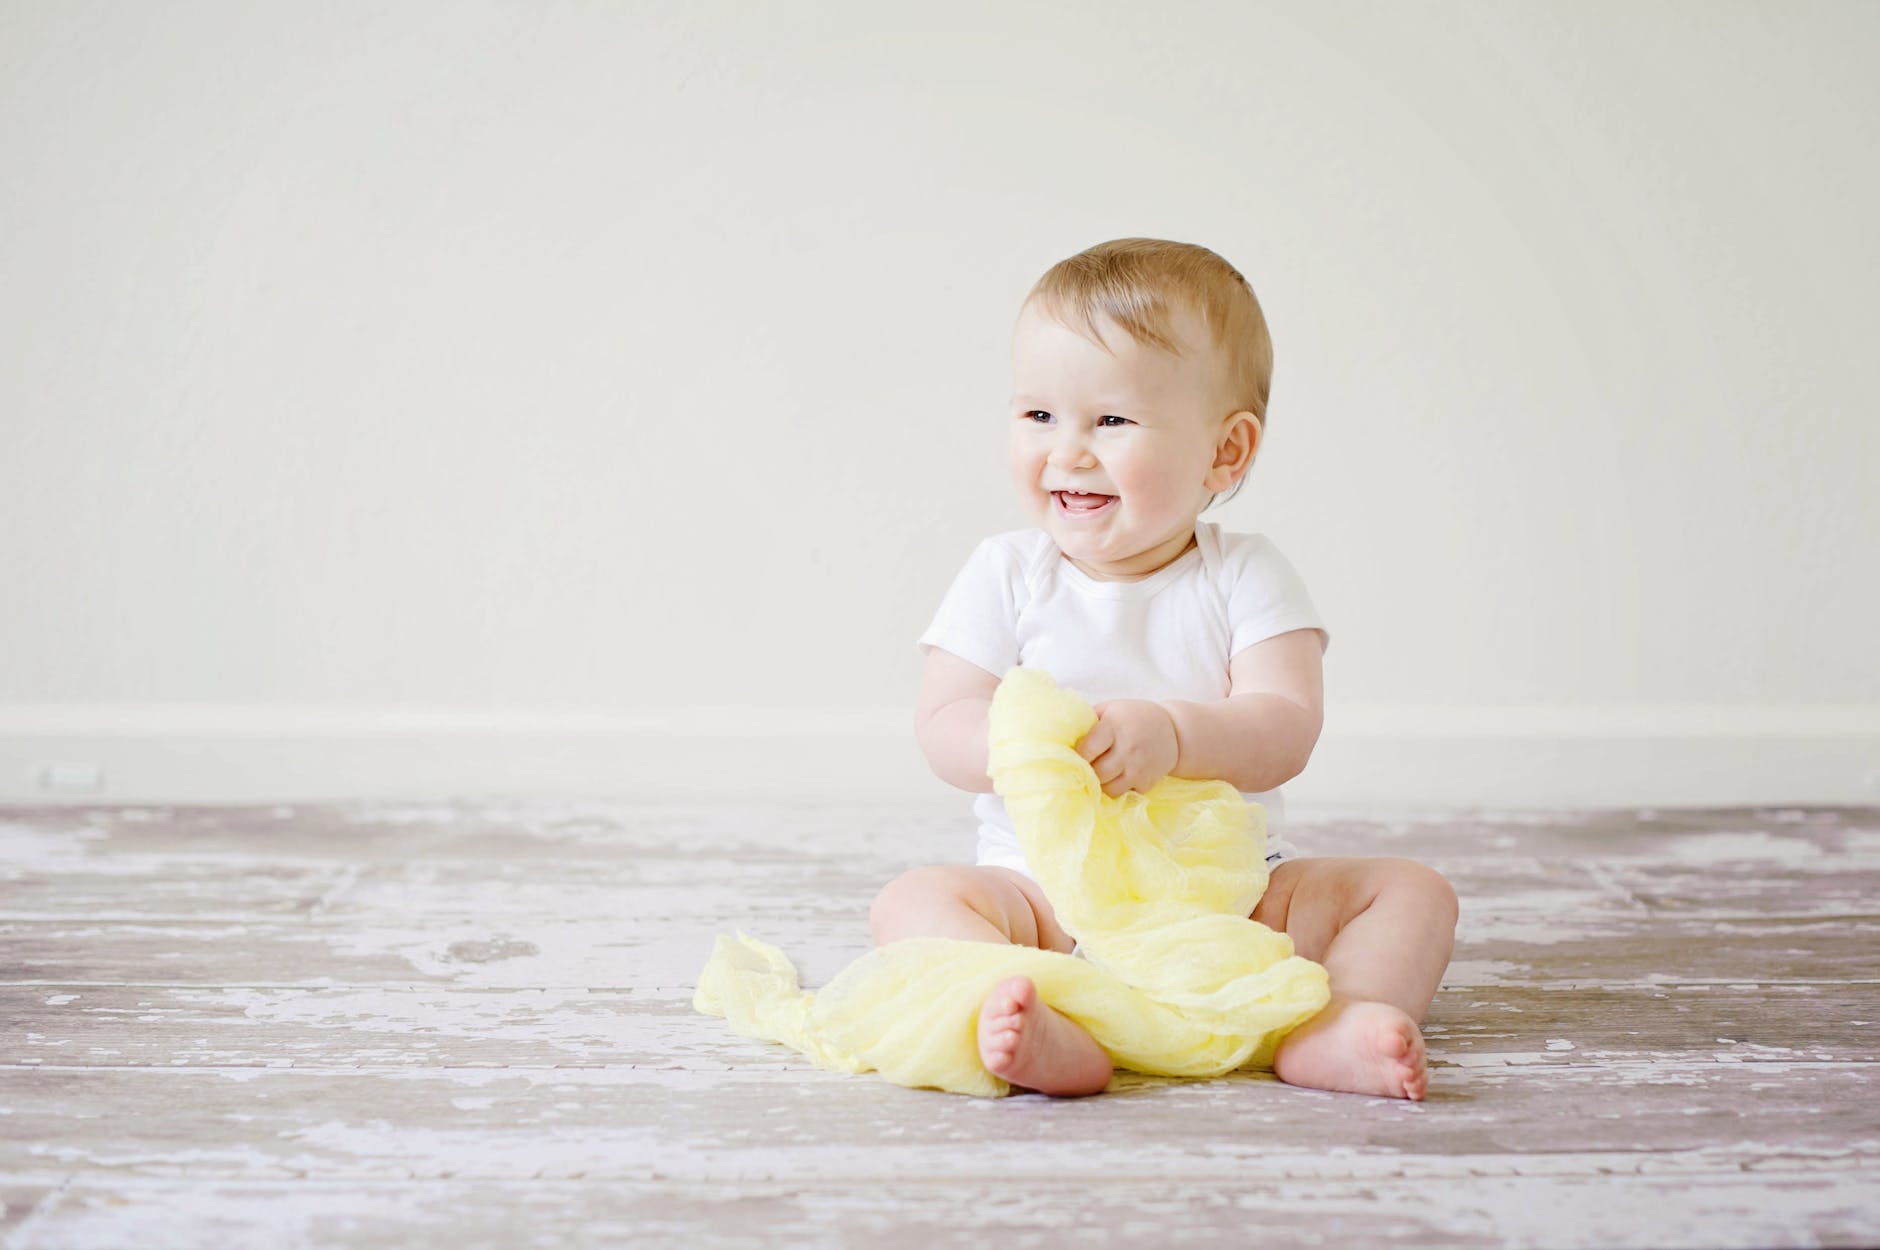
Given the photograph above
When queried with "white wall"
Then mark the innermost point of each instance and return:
(437, 397)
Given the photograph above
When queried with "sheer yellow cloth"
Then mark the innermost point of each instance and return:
(1171, 977)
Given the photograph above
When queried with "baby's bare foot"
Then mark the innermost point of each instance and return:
(1030, 1045)
(1358, 1047)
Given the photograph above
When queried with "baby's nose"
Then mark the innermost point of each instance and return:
(1071, 450)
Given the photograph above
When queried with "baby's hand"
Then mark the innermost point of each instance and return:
(1132, 746)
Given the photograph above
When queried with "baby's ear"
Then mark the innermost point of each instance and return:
(1243, 427)
(1240, 440)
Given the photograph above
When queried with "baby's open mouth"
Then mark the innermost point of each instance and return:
(1078, 503)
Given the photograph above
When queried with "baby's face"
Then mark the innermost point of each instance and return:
(1138, 429)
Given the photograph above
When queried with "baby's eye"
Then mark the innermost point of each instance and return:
(1036, 413)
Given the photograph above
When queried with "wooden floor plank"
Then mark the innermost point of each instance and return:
(1803, 1207)
(266, 882)
(1664, 1116)
(546, 951)
(918, 831)
(393, 1026)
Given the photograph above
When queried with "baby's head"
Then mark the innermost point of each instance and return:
(1140, 371)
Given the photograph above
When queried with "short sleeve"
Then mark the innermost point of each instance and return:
(978, 618)
(1265, 595)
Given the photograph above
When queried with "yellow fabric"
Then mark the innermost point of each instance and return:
(1171, 976)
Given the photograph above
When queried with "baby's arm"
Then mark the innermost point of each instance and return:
(950, 719)
(1261, 735)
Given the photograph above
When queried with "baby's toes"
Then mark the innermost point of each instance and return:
(999, 1051)
(1398, 1045)
(1020, 992)
(1002, 1021)
(1415, 1067)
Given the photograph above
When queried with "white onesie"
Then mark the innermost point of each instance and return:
(1170, 635)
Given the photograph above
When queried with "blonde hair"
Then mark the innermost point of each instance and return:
(1137, 282)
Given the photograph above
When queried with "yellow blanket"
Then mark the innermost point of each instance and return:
(1171, 977)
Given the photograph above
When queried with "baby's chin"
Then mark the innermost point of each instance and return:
(1108, 549)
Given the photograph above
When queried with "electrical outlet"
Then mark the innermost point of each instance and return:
(72, 778)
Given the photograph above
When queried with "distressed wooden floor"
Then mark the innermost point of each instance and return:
(470, 1025)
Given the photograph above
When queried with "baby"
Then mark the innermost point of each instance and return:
(1141, 369)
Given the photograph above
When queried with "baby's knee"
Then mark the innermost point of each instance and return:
(953, 900)
(909, 896)
(1431, 889)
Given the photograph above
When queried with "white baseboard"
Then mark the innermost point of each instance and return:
(1435, 757)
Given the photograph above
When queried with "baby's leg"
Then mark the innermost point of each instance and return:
(1020, 1038)
(982, 904)
(1384, 929)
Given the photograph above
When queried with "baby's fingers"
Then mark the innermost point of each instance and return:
(1113, 776)
(1096, 742)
